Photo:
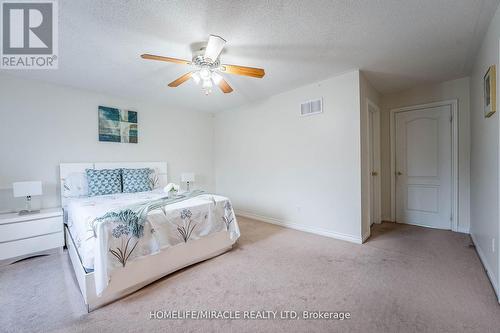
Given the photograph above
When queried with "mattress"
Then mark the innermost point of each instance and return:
(81, 213)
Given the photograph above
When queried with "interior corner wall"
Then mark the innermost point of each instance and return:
(44, 125)
(485, 158)
(299, 171)
(367, 93)
(449, 90)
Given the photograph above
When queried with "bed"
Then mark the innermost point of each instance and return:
(114, 252)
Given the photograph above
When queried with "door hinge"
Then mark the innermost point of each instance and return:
(451, 217)
(451, 118)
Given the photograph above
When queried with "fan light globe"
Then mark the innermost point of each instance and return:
(205, 73)
(196, 77)
(216, 77)
(207, 83)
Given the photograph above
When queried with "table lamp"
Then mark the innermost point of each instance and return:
(27, 189)
(187, 177)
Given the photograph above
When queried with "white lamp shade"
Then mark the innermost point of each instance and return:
(25, 189)
(187, 177)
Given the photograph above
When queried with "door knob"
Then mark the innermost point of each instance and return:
(399, 173)
(374, 173)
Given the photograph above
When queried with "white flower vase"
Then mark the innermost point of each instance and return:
(172, 194)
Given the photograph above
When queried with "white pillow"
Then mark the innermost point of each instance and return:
(75, 185)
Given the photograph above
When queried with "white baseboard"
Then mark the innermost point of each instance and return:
(487, 267)
(366, 235)
(463, 230)
(301, 227)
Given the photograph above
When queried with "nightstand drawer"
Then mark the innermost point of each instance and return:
(30, 245)
(21, 230)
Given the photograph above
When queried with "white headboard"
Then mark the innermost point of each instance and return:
(75, 173)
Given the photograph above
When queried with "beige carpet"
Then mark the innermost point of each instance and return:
(404, 279)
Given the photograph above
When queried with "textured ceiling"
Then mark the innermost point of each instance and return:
(398, 43)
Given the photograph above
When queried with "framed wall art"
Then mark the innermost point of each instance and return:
(490, 91)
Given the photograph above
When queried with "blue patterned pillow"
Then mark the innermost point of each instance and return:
(136, 180)
(105, 181)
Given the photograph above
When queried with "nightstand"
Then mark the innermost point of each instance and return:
(23, 236)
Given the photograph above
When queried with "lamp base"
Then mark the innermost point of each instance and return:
(28, 212)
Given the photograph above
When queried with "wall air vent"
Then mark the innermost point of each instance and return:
(311, 107)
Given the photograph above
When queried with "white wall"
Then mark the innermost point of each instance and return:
(43, 125)
(484, 157)
(304, 172)
(455, 89)
(367, 93)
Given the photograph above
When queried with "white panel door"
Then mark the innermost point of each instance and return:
(423, 167)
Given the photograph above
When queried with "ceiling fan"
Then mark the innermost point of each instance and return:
(207, 67)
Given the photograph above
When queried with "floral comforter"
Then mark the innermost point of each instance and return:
(107, 237)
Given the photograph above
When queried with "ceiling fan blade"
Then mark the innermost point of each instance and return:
(167, 59)
(224, 86)
(242, 70)
(214, 47)
(180, 80)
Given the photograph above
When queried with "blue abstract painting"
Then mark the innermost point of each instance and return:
(116, 125)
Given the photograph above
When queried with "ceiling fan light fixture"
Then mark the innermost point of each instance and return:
(206, 67)
(196, 77)
(216, 77)
(205, 73)
(207, 84)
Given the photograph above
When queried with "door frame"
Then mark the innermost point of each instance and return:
(374, 132)
(453, 103)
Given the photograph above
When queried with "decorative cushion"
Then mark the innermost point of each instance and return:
(136, 180)
(104, 181)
